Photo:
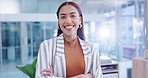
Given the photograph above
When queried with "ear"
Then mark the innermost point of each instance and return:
(80, 19)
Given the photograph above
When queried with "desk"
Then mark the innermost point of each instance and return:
(140, 68)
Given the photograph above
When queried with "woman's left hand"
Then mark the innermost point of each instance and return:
(47, 72)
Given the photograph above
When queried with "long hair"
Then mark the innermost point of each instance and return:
(80, 31)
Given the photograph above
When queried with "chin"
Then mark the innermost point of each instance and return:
(68, 34)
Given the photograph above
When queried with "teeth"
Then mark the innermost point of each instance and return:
(68, 26)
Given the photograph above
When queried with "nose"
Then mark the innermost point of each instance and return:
(68, 20)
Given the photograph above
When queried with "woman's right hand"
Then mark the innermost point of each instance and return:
(83, 76)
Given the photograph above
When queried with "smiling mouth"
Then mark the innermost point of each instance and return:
(68, 27)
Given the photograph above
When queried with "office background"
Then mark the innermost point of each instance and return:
(117, 27)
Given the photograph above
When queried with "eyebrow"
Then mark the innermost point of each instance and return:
(70, 13)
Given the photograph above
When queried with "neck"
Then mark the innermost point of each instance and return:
(70, 38)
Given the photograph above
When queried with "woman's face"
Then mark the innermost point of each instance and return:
(69, 20)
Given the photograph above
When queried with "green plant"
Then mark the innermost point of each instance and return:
(29, 69)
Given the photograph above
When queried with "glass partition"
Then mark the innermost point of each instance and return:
(119, 33)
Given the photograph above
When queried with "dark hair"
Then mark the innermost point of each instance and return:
(80, 31)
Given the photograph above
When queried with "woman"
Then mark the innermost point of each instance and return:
(68, 55)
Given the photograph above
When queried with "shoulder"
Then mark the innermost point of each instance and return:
(86, 43)
(49, 41)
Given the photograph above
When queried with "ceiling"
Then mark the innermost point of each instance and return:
(50, 6)
(97, 6)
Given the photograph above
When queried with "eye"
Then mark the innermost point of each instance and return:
(73, 16)
(63, 17)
